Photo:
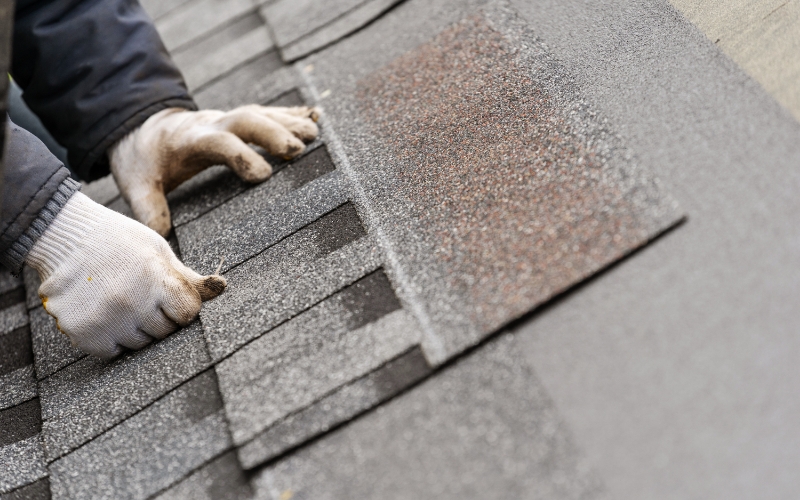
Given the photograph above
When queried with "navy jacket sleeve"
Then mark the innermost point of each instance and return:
(36, 187)
(92, 70)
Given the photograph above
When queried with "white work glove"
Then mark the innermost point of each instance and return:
(175, 144)
(111, 282)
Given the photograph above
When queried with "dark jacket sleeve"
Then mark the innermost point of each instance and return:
(36, 187)
(92, 71)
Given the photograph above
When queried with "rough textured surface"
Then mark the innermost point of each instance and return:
(215, 186)
(32, 282)
(151, 450)
(196, 18)
(90, 396)
(337, 341)
(244, 226)
(220, 479)
(52, 349)
(12, 318)
(20, 422)
(488, 237)
(223, 50)
(15, 349)
(39, 490)
(17, 386)
(336, 408)
(306, 26)
(287, 278)
(21, 463)
(482, 429)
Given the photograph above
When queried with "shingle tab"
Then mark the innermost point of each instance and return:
(12, 318)
(258, 218)
(197, 18)
(301, 27)
(220, 479)
(15, 349)
(31, 279)
(216, 185)
(102, 191)
(223, 50)
(90, 396)
(287, 278)
(337, 341)
(21, 463)
(52, 350)
(151, 450)
(336, 408)
(17, 386)
(20, 422)
(495, 202)
(38, 490)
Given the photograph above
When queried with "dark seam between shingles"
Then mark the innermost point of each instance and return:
(289, 236)
(219, 77)
(310, 148)
(46, 476)
(224, 25)
(318, 28)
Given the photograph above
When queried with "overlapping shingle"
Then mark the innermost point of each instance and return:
(52, 350)
(196, 18)
(149, 451)
(306, 26)
(258, 218)
(90, 396)
(288, 278)
(221, 51)
(220, 479)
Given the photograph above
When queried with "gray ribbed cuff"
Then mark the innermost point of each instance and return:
(15, 255)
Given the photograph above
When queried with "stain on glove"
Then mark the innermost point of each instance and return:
(112, 283)
(175, 144)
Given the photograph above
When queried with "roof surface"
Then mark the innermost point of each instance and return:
(446, 296)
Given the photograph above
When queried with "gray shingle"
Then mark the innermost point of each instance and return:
(8, 282)
(335, 27)
(17, 386)
(102, 191)
(121, 206)
(21, 463)
(20, 422)
(259, 81)
(31, 279)
(291, 20)
(482, 428)
(15, 349)
(12, 318)
(220, 479)
(483, 234)
(157, 8)
(52, 350)
(287, 278)
(197, 19)
(38, 490)
(216, 185)
(337, 341)
(151, 450)
(90, 396)
(260, 217)
(223, 50)
(336, 408)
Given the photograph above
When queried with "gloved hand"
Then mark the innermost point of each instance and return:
(173, 145)
(111, 282)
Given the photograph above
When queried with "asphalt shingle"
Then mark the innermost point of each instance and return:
(288, 278)
(336, 408)
(198, 18)
(102, 191)
(52, 350)
(220, 479)
(305, 26)
(21, 463)
(484, 234)
(38, 490)
(258, 218)
(31, 279)
(90, 396)
(258, 81)
(223, 50)
(337, 341)
(216, 185)
(151, 450)
(17, 386)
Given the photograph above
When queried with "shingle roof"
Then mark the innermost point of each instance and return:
(466, 175)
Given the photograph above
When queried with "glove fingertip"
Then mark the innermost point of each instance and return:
(212, 286)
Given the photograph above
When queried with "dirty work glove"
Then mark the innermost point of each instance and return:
(175, 144)
(111, 282)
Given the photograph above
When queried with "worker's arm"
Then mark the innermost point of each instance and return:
(110, 282)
